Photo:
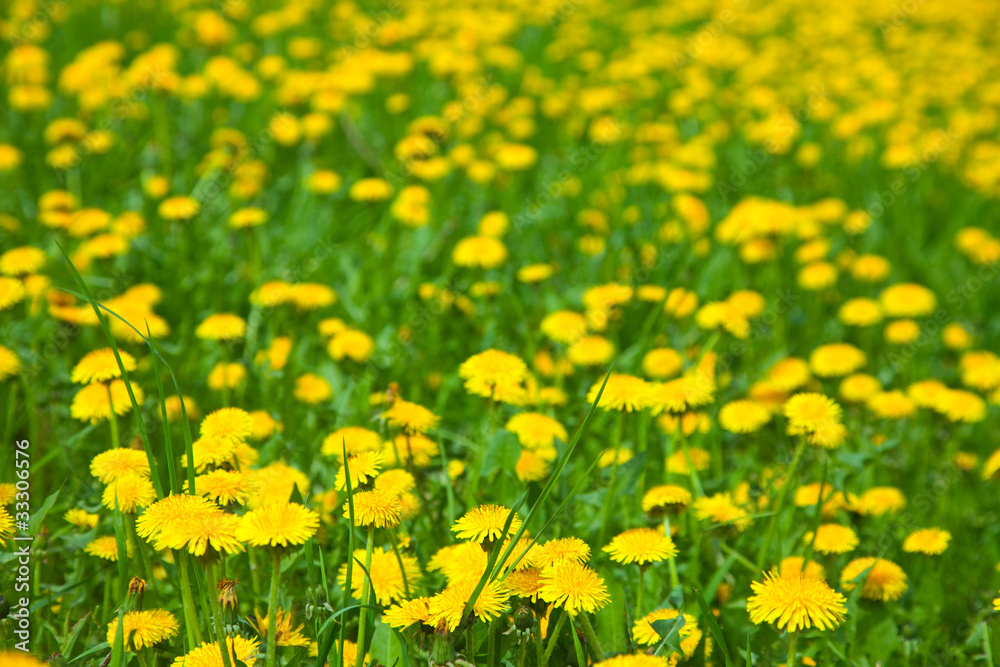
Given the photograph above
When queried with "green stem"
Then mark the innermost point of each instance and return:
(792, 641)
(491, 643)
(555, 634)
(675, 580)
(524, 651)
(272, 611)
(642, 587)
(365, 592)
(595, 645)
(113, 422)
(536, 638)
(187, 599)
(786, 485)
(213, 598)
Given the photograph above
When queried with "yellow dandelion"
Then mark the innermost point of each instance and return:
(375, 508)
(574, 587)
(485, 523)
(885, 581)
(641, 546)
(278, 524)
(795, 602)
(927, 541)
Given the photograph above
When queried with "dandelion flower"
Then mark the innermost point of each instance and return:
(130, 491)
(564, 326)
(9, 363)
(836, 360)
(108, 466)
(6, 525)
(559, 550)
(795, 602)
(488, 371)
(928, 541)
(410, 417)
(885, 581)
(645, 635)
(356, 439)
(278, 524)
(447, 608)
(375, 508)
(535, 430)
(720, 508)
(406, 613)
(210, 655)
(312, 389)
(227, 424)
(11, 292)
(832, 538)
(101, 366)
(105, 547)
(80, 518)
(681, 462)
(665, 499)
(22, 261)
(635, 660)
(574, 587)
(364, 466)
(641, 546)
(222, 326)
(744, 416)
(284, 634)
(485, 523)
(907, 300)
(93, 403)
(482, 252)
(144, 628)
(389, 582)
(626, 393)
(880, 500)
(225, 486)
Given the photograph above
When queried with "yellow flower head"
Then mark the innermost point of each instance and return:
(796, 602)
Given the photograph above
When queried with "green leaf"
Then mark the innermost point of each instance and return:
(39, 516)
(670, 632)
(713, 626)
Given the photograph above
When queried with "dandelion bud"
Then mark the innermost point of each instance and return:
(136, 591)
(523, 618)
(228, 602)
(227, 593)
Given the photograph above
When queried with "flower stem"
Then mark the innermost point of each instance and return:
(366, 588)
(555, 635)
(595, 645)
(187, 599)
(792, 641)
(675, 580)
(638, 595)
(272, 612)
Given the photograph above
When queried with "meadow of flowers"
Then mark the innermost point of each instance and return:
(525, 332)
